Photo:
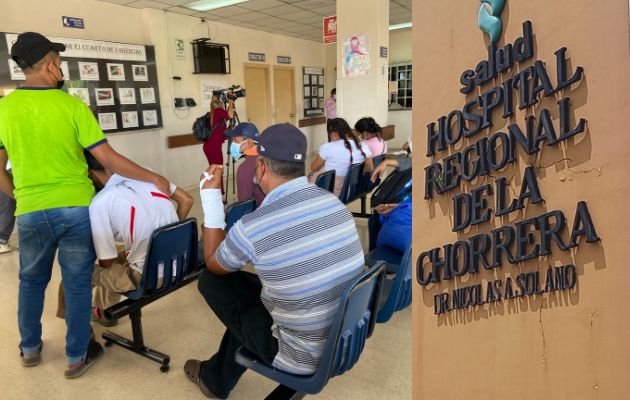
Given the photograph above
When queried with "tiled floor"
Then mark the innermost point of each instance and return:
(182, 326)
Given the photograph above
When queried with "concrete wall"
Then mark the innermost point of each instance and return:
(560, 345)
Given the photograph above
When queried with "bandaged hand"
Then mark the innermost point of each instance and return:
(211, 199)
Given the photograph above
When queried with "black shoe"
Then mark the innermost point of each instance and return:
(94, 353)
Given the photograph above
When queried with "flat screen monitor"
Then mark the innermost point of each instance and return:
(209, 59)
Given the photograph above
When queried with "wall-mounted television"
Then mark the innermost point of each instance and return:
(211, 58)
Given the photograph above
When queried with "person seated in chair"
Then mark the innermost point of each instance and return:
(244, 138)
(304, 245)
(128, 211)
(343, 150)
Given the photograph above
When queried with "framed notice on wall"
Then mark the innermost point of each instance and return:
(117, 81)
(313, 84)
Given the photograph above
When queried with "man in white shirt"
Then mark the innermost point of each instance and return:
(124, 211)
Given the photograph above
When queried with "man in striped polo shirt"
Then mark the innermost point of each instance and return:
(304, 245)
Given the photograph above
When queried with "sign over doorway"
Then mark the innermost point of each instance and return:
(330, 30)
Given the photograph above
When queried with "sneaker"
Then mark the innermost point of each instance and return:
(5, 248)
(94, 353)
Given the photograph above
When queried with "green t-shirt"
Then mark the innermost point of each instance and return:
(44, 132)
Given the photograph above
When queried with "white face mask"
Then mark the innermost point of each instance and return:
(334, 97)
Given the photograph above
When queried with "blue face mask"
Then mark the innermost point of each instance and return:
(235, 150)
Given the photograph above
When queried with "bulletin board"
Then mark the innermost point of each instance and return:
(117, 81)
(313, 84)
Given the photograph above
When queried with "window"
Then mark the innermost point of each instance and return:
(400, 86)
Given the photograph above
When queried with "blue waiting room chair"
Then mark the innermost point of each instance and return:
(353, 325)
(398, 281)
(235, 211)
(326, 180)
(173, 247)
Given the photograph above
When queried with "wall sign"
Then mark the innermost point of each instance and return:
(284, 60)
(356, 55)
(256, 57)
(117, 81)
(330, 29)
(82, 48)
(525, 239)
(179, 49)
(72, 22)
(383, 52)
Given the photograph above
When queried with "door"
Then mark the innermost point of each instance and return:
(258, 97)
(284, 94)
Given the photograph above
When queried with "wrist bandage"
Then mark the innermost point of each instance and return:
(212, 203)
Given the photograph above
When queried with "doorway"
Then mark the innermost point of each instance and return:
(284, 94)
(258, 95)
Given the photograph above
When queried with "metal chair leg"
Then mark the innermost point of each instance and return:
(284, 393)
(137, 344)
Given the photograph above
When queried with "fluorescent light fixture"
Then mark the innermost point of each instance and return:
(207, 5)
(400, 26)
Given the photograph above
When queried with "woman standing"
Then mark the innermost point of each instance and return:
(213, 147)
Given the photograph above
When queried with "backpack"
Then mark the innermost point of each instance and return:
(202, 130)
(394, 189)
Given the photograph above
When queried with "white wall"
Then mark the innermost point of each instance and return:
(105, 21)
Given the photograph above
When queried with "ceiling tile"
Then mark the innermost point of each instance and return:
(325, 11)
(175, 2)
(148, 4)
(310, 4)
(403, 3)
(182, 10)
(228, 11)
(280, 10)
(300, 14)
(250, 16)
(261, 4)
(121, 2)
(311, 20)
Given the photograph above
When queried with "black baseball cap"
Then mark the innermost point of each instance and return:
(31, 47)
(246, 129)
(283, 142)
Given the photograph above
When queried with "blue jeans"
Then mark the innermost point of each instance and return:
(41, 234)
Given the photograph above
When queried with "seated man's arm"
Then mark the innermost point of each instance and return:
(378, 171)
(6, 182)
(103, 234)
(215, 245)
(184, 202)
(122, 166)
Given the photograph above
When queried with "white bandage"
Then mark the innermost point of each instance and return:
(212, 203)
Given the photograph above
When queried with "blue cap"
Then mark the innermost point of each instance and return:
(245, 129)
(283, 142)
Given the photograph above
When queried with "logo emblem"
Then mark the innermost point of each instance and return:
(489, 18)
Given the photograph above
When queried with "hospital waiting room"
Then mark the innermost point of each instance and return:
(205, 199)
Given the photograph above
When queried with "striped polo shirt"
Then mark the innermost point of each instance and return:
(304, 245)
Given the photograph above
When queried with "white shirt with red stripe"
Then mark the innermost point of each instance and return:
(128, 211)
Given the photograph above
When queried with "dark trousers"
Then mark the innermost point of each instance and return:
(235, 299)
(374, 226)
(7, 216)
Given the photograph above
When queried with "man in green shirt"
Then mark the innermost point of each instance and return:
(44, 132)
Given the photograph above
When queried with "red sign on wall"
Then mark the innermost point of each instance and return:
(330, 29)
